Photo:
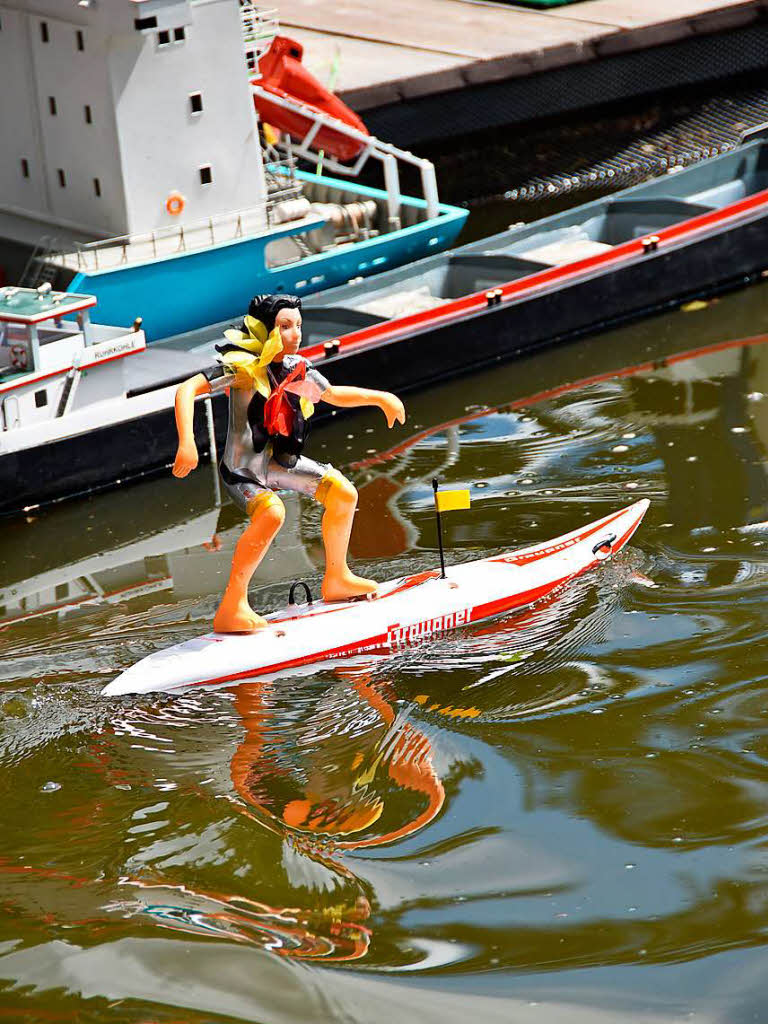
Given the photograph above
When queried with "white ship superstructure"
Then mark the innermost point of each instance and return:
(110, 109)
(131, 165)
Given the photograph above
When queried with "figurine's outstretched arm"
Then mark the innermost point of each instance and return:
(186, 393)
(353, 398)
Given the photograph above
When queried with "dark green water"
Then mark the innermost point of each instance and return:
(557, 816)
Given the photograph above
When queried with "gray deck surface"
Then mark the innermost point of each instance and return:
(159, 365)
(385, 53)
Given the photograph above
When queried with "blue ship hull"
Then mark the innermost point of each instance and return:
(187, 290)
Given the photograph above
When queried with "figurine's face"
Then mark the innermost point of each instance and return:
(289, 323)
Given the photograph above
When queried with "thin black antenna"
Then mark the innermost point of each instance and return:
(435, 483)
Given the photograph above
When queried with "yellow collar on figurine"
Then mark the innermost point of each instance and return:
(257, 350)
(257, 340)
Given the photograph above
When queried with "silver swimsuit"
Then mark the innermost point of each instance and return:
(247, 473)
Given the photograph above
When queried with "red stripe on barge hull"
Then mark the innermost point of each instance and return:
(536, 282)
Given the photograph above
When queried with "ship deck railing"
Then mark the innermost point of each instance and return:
(123, 250)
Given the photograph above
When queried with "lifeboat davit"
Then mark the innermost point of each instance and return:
(283, 74)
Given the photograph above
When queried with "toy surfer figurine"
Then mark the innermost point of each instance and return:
(272, 392)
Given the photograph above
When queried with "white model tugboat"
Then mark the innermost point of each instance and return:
(75, 417)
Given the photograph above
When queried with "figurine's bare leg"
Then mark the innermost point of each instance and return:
(235, 614)
(339, 497)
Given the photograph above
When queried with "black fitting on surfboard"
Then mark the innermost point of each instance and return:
(606, 542)
(292, 592)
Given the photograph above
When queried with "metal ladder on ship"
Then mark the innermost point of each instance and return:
(38, 270)
(259, 26)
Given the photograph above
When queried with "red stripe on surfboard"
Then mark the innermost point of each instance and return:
(533, 555)
(552, 547)
(371, 644)
(407, 583)
(413, 581)
(382, 641)
(529, 597)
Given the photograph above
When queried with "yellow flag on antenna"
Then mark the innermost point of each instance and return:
(450, 501)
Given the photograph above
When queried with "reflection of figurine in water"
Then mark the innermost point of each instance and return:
(272, 395)
(322, 790)
(336, 792)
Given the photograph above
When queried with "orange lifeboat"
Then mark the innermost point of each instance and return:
(283, 75)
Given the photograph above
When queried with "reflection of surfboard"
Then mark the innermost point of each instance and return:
(404, 611)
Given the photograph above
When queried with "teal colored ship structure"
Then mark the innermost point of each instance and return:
(192, 161)
(179, 289)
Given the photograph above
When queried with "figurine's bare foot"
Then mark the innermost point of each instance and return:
(237, 616)
(346, 585)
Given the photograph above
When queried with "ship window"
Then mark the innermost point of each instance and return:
(24, 167)
(142, 23)
(62, 178)
(97, 186)
(44, 31)
(250, 60)
(163, 38)
(179, 35)
(52, 105)
(88, 115)
(196, 102)
(206, 175)
(80, 40)
(61, 591)
(41, 398)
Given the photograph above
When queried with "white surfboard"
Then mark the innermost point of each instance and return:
(405, 610)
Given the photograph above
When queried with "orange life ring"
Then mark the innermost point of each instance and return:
(19, 357)
(174, 204)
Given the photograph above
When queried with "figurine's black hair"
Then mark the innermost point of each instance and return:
(266, 307)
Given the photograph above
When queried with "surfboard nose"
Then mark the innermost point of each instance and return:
(641, 507)
(136, 679)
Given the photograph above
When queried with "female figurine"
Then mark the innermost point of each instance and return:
(272, 392)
